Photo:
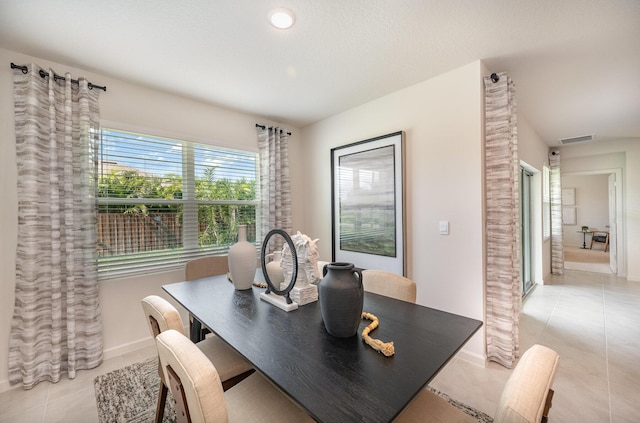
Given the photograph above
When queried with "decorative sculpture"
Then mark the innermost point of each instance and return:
(305, 290)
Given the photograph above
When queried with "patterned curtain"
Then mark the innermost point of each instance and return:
(502, 190)
(555, 193)
(275, 186)
(56, 324)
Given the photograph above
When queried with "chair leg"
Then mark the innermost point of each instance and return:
(162, 399)
(547, 406)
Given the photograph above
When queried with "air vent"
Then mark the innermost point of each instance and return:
(576, 139)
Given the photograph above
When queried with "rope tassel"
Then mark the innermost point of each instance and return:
(385, 348)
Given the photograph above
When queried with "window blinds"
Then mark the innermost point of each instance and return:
(162, 202)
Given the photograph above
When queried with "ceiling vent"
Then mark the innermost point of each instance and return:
(583, 138)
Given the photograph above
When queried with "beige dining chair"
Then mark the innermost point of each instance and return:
(232, 367)
(526, 397)
(389, 284)
(195, 385)
(202, 268)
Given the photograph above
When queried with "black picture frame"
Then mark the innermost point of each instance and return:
(368, 203)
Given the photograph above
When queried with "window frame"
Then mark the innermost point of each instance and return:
(190, 248)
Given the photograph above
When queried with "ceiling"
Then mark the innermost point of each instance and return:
(575, 63)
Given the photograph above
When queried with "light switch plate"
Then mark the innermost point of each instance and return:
(444, 227)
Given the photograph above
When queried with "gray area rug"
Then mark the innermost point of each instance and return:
(477, 414)
(130, 395)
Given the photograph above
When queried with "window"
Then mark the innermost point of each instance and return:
(162, 202)
(546, 203)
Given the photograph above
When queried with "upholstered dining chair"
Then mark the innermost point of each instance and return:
(526, 397)
(389, 284)
(162, 316)
(202, 268)
(195, 385)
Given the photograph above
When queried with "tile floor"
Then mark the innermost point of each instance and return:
(592, 320)
(68, 401)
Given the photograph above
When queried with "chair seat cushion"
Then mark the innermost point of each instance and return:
(227, 361)
(268, 403)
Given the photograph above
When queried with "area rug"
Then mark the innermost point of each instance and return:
(130, 395)
(476, 414)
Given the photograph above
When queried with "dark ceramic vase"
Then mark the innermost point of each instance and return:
(341, 299)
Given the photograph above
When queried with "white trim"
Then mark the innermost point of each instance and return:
(180, 136)
(473, 358)
(128, 348)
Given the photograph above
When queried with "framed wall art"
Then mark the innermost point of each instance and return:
(367, 187)
(568, 196)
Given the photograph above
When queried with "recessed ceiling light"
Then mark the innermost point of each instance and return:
(282, 18)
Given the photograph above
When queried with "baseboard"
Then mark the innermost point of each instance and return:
(5, 386)
(127, 348)
(477, 359)
(107, 354)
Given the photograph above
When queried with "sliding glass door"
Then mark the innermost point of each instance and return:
(526, 229)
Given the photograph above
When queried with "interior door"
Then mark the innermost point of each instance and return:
(613, 227)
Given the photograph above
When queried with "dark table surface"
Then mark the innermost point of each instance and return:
(334, 379)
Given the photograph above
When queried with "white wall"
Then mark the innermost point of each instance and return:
(606, 155)
(133, 107)
(592, 206)
(442, 120)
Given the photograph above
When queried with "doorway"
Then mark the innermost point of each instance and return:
(599, 206)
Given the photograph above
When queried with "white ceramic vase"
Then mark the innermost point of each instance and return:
(242, 261)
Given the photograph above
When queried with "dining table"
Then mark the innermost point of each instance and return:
(333, 379)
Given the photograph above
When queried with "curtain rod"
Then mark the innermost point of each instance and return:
(264, 127)
(44, 74)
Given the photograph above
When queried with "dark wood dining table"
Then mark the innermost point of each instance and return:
(333, 379)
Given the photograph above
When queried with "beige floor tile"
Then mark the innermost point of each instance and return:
(17, 400)
(29, 415)
(83, 380)
(473, 385)
(79, 406)
(593, 322)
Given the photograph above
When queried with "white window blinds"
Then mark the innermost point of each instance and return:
(162, 202)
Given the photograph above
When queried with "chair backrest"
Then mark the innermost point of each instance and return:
(206, 266)
(389, 284)
(193, 379)
(526, 397)
(161, 315)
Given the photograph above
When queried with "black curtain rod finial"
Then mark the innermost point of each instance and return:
(24, 69)
(44, 74)
(495, 78)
